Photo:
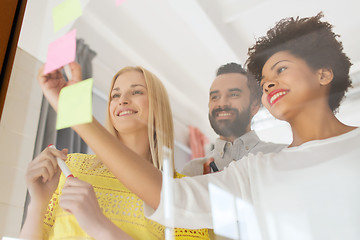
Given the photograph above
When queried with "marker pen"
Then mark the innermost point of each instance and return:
(214, 167)
(62, 164)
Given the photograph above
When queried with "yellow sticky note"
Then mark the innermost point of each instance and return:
(75, 104)
(66, 12)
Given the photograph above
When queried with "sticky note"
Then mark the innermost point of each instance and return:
(118, 2)
(61, 52)
(75, 104)
(66, 12)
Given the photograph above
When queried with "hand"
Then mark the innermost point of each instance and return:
(42, 178)
(42, 175)
(206, 166)
(53, 82)
(79, 198)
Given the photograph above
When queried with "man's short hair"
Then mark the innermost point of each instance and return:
(255, 91)
(311, 40)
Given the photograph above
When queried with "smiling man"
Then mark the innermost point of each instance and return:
(234, 99)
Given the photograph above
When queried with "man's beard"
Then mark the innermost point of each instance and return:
(228, 127)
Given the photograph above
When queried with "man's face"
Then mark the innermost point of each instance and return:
(229, 105)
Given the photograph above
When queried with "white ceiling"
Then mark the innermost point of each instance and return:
(185, 41)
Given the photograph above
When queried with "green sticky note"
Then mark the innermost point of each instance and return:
(66, 12)
(75, 104)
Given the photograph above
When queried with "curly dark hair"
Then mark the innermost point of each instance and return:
(311, 40)
(255, 91)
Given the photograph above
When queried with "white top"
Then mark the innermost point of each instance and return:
(225, 152)
(306, 192)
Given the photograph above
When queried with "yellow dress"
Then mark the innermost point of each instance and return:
(118, 204)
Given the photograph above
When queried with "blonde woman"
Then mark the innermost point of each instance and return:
(95, 203)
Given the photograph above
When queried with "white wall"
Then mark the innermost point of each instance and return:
(18, 128)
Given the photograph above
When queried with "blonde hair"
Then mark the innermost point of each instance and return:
(160, 121)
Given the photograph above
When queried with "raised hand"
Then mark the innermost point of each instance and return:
(53, 82)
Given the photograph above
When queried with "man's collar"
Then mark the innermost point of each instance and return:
(249, 140)
(220, 146)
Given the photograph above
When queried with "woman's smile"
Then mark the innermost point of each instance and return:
(276, 95)
(126, 112)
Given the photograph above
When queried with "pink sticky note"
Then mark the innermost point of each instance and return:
(118, 2)
(61, 52)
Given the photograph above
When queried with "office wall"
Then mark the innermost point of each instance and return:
(18, 128)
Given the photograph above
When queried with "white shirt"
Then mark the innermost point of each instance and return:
(225, 152)
(307, 192)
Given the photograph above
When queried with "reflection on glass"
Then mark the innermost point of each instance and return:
(178, 47)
